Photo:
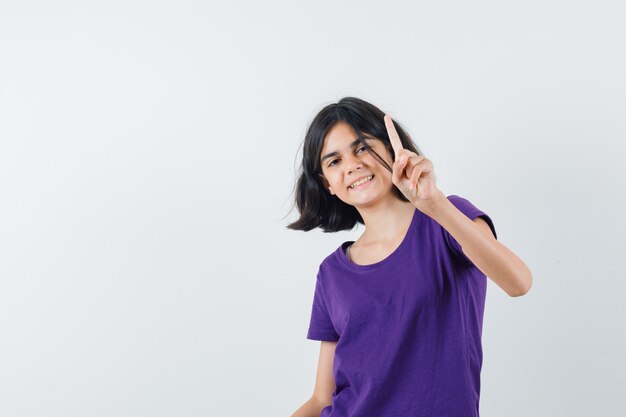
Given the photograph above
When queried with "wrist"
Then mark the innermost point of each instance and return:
(433, 205)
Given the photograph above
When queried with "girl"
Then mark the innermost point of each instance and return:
(399, 311)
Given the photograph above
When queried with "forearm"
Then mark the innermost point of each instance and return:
(311, 408)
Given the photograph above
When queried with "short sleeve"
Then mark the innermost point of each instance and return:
(320, 325)
(471, 212)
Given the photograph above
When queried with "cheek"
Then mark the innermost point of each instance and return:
(384, 176)
(388, 158)
(384, 154)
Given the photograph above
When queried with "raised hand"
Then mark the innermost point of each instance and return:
(413, 174)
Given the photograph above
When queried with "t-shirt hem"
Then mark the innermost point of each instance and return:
(313, 335)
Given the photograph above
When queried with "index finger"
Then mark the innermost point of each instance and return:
(393, 135)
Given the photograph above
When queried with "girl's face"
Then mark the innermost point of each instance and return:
(344, 161)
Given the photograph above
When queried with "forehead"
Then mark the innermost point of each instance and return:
(338, 137)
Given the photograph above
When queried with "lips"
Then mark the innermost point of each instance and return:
(359, 179)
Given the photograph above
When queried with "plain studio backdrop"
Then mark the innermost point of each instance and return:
(148, 157)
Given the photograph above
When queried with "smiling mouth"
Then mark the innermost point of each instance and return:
(350, 187)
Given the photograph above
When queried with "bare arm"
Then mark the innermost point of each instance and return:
(324, 383)
(311, 408)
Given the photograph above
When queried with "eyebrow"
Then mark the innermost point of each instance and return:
(352, 145)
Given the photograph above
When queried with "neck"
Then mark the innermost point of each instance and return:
(386, 220)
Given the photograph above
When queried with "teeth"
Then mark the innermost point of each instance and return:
(366, 179)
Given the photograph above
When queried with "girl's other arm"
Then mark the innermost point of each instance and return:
(324, 383)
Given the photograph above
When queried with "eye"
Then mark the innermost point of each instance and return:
(334, 160)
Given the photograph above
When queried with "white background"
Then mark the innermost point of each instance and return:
(148, 154)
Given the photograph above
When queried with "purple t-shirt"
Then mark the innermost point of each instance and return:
(408, 328)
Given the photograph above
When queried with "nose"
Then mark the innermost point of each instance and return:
(352, 163)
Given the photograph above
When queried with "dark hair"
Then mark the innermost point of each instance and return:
(317, 207)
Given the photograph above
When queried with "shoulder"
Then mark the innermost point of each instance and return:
(464, 205)
(331, 262)
(460, 202)
(475, 214)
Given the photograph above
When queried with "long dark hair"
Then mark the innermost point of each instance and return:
(317, 207)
